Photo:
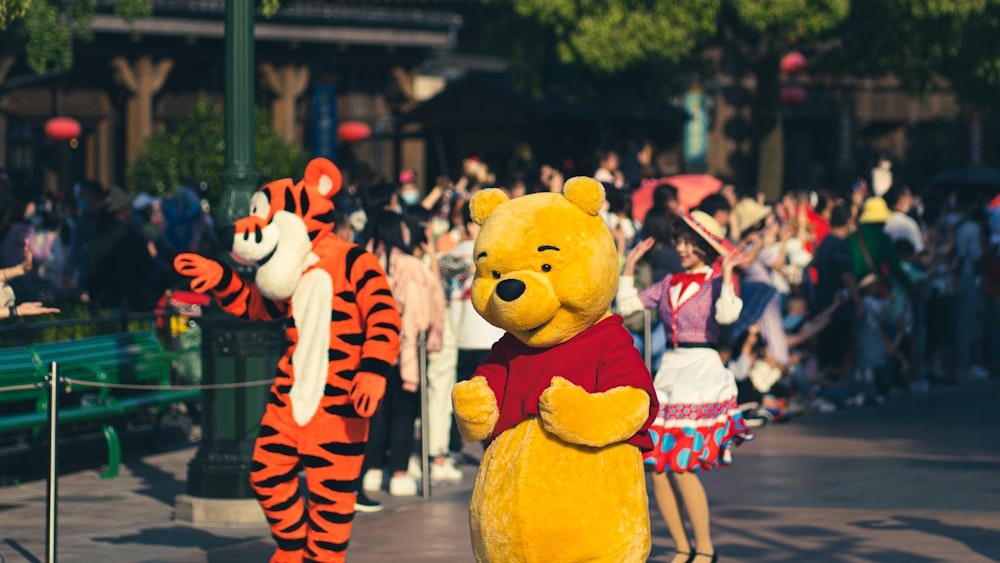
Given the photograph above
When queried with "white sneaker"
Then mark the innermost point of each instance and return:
(413, 468)
(372, 482)
(446, 472)
(403, 486)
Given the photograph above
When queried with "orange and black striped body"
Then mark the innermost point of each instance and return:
(342, 328)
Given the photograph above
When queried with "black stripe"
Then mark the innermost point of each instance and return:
(283, 389)
(380, 338)
(260, 497)
(227, 276)
(289, 545)
(348, 296)
(289, 200)
(304, 203)
(339, 486)
(346, 411)
(317, 499)
(280, 449)
(316, 527)
(332, 391)
(374, 365)
(354, 339)
(267, 431)
(272, 308)
(325, 217)
(335, 355)
(272, 482)
(311, 461)
(379, 307)
(369, 275)
(330, 546)
(286, 504)
(228, 300)
(386, 292)
(389, 326)
(337, 315)
(335, 517)
(302, 520)
(256, 466)
(344, 448)
(314, 234)
(352, 256)
(346, 374)
(290, 322)
(276, 400)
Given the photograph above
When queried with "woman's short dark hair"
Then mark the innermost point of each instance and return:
(682, 231)
(387, 230)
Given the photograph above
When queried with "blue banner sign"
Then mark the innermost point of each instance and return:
(325, 123)
(695, 130)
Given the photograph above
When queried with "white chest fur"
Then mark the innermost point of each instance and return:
(311, 312)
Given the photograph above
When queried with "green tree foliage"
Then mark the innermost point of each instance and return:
(41, 30)
(193, 154)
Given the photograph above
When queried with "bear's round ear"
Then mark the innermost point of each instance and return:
(323, 176)
(484, 202)
(585, 193)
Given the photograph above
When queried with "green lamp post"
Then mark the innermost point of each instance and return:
(234, 351)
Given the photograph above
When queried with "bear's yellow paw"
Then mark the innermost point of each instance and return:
(475, 408)
(592, 419)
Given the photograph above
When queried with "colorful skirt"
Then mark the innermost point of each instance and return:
(699, 419)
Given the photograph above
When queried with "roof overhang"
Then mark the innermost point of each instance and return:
(339, 35)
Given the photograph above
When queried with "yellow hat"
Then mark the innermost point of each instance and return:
(709, 229)
(749, 212)
(875, 211)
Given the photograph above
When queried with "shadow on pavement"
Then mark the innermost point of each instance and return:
(982, 541)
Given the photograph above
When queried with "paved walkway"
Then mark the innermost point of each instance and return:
(915, 480)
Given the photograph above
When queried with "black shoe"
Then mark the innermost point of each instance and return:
(715, 556)
(365, 504)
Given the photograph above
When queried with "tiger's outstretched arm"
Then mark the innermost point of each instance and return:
(234, 294)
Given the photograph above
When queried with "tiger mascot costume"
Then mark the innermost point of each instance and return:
(343, 330)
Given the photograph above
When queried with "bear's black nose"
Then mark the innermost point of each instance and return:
(509, 290)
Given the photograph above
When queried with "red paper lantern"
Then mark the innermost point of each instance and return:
(793, 63)
(353, 131)
(62, 128)
(793, 95)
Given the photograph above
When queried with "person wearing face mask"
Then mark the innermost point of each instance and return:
(409, 193)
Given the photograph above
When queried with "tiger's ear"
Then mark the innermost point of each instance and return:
(323, 176)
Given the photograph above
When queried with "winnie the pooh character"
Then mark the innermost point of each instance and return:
(563, 400)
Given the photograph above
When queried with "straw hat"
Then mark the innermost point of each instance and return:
(875, 211)
(749, 212)
(709, 229)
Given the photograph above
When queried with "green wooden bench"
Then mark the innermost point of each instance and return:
(134, 358)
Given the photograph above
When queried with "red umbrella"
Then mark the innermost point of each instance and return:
(691, 189)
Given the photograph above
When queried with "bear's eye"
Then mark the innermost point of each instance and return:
(546, 267)
(496, 275)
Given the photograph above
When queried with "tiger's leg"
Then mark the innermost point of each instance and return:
(275, 479)
(332, 452)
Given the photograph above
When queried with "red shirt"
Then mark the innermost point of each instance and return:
(598, 359)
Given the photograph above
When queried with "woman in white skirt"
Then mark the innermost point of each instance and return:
(698, 419)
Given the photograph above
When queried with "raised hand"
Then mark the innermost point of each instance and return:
(634, 255)
(206, 273)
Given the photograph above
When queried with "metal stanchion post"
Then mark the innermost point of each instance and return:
(52, 490)
(647, 337)
(425, 473)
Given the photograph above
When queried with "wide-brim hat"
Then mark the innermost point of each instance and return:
(709, 229)
(749, 212)
(876, 210)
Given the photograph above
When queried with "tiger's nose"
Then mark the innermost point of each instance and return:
(509, 290)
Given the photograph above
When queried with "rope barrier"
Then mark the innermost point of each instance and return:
(138, 387)
(25, 387)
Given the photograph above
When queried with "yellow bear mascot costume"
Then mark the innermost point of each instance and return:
(563, 400)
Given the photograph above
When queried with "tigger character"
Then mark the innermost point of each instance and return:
(343, 331)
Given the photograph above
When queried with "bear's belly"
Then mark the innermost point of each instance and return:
(539, 499)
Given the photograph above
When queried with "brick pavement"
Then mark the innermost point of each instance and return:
(915, 480)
